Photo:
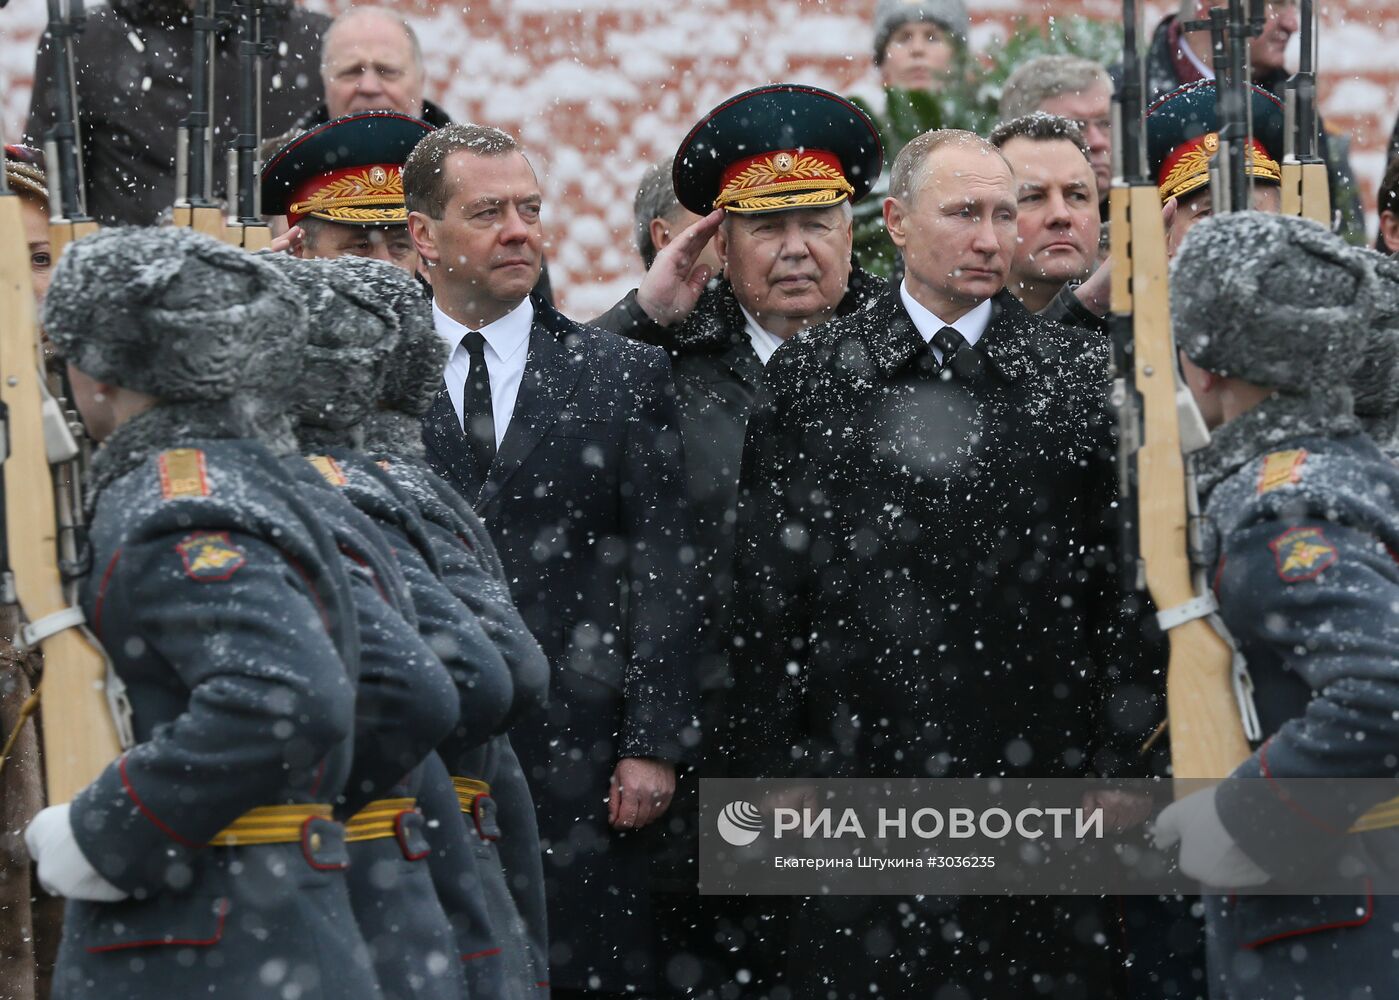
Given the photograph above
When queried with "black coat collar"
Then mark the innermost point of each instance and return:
(892, 340)
(717, 322)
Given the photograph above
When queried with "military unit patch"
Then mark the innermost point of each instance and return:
(329, 469)
(1302, 554)
(1281, 468)
(182, 473)
(210, 556)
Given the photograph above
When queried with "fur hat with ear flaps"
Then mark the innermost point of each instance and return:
(414, 374)
(1278, 301)
(169, 312)
(413, 378)
(352, 333)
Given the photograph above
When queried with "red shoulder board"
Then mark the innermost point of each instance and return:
(1303, 554)
(210, 556)
(182, 473)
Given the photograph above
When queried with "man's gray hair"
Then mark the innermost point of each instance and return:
(655, 199)
(426, 187)
(1040, 127)
(910, 166)
(1047, 77)
(387, 14)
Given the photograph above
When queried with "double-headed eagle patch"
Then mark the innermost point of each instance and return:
(1302, 554)
(210, 556)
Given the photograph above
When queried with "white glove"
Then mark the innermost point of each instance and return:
(63, 868)
(1207, 853)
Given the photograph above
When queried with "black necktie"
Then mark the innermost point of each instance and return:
(478, 418)
(962, 359)
(949, 342)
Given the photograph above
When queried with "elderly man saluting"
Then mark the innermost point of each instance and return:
(922, 586)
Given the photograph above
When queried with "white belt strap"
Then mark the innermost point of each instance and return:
(1205, 606)
(50, 625)
(1199, 607)
(31, 635)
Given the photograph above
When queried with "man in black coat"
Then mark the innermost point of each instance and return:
(786, 265)
(923, 586)
(565, 440)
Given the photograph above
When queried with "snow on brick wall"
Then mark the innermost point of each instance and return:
(600, 88)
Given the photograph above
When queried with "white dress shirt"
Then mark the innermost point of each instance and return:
(971, 326)
(764, 343)
(506, 349)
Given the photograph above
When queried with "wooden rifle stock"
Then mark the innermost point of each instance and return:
(79, 735)
(1207, 736)
(1208, 739)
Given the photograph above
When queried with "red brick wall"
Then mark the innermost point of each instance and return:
(600, 88)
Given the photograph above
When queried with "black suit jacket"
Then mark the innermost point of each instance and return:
(586, 504)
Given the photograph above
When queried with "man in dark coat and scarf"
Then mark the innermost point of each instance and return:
(924, 581)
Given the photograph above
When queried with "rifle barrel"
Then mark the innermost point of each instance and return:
(249, 209)
(62, 136)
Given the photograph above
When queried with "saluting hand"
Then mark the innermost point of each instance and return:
(641, 792)
(673, 285)
(289, 241)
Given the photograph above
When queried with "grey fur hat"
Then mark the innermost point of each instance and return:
(169, 312)
(950, 15)
(351, 332)
(1375, 382)
(1276, 300)
(414, 373)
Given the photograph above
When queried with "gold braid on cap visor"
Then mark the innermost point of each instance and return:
(362, 195)
(785, 180)
(1187, 169)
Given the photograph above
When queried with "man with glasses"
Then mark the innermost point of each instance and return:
(1073, 88)
(371, 60)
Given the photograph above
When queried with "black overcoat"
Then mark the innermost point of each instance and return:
(586, 505)
(923, 588)
(923, 584)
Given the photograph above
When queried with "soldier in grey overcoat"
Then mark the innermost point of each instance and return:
(204, 860)
(1303, 517)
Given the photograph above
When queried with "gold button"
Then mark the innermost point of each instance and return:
(315, 841)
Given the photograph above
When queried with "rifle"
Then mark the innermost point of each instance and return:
(67, 186)
(1306, 190)
(248, 230)
(42, 546)
(1231, 187)
(195, 206)
(1205, 681)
